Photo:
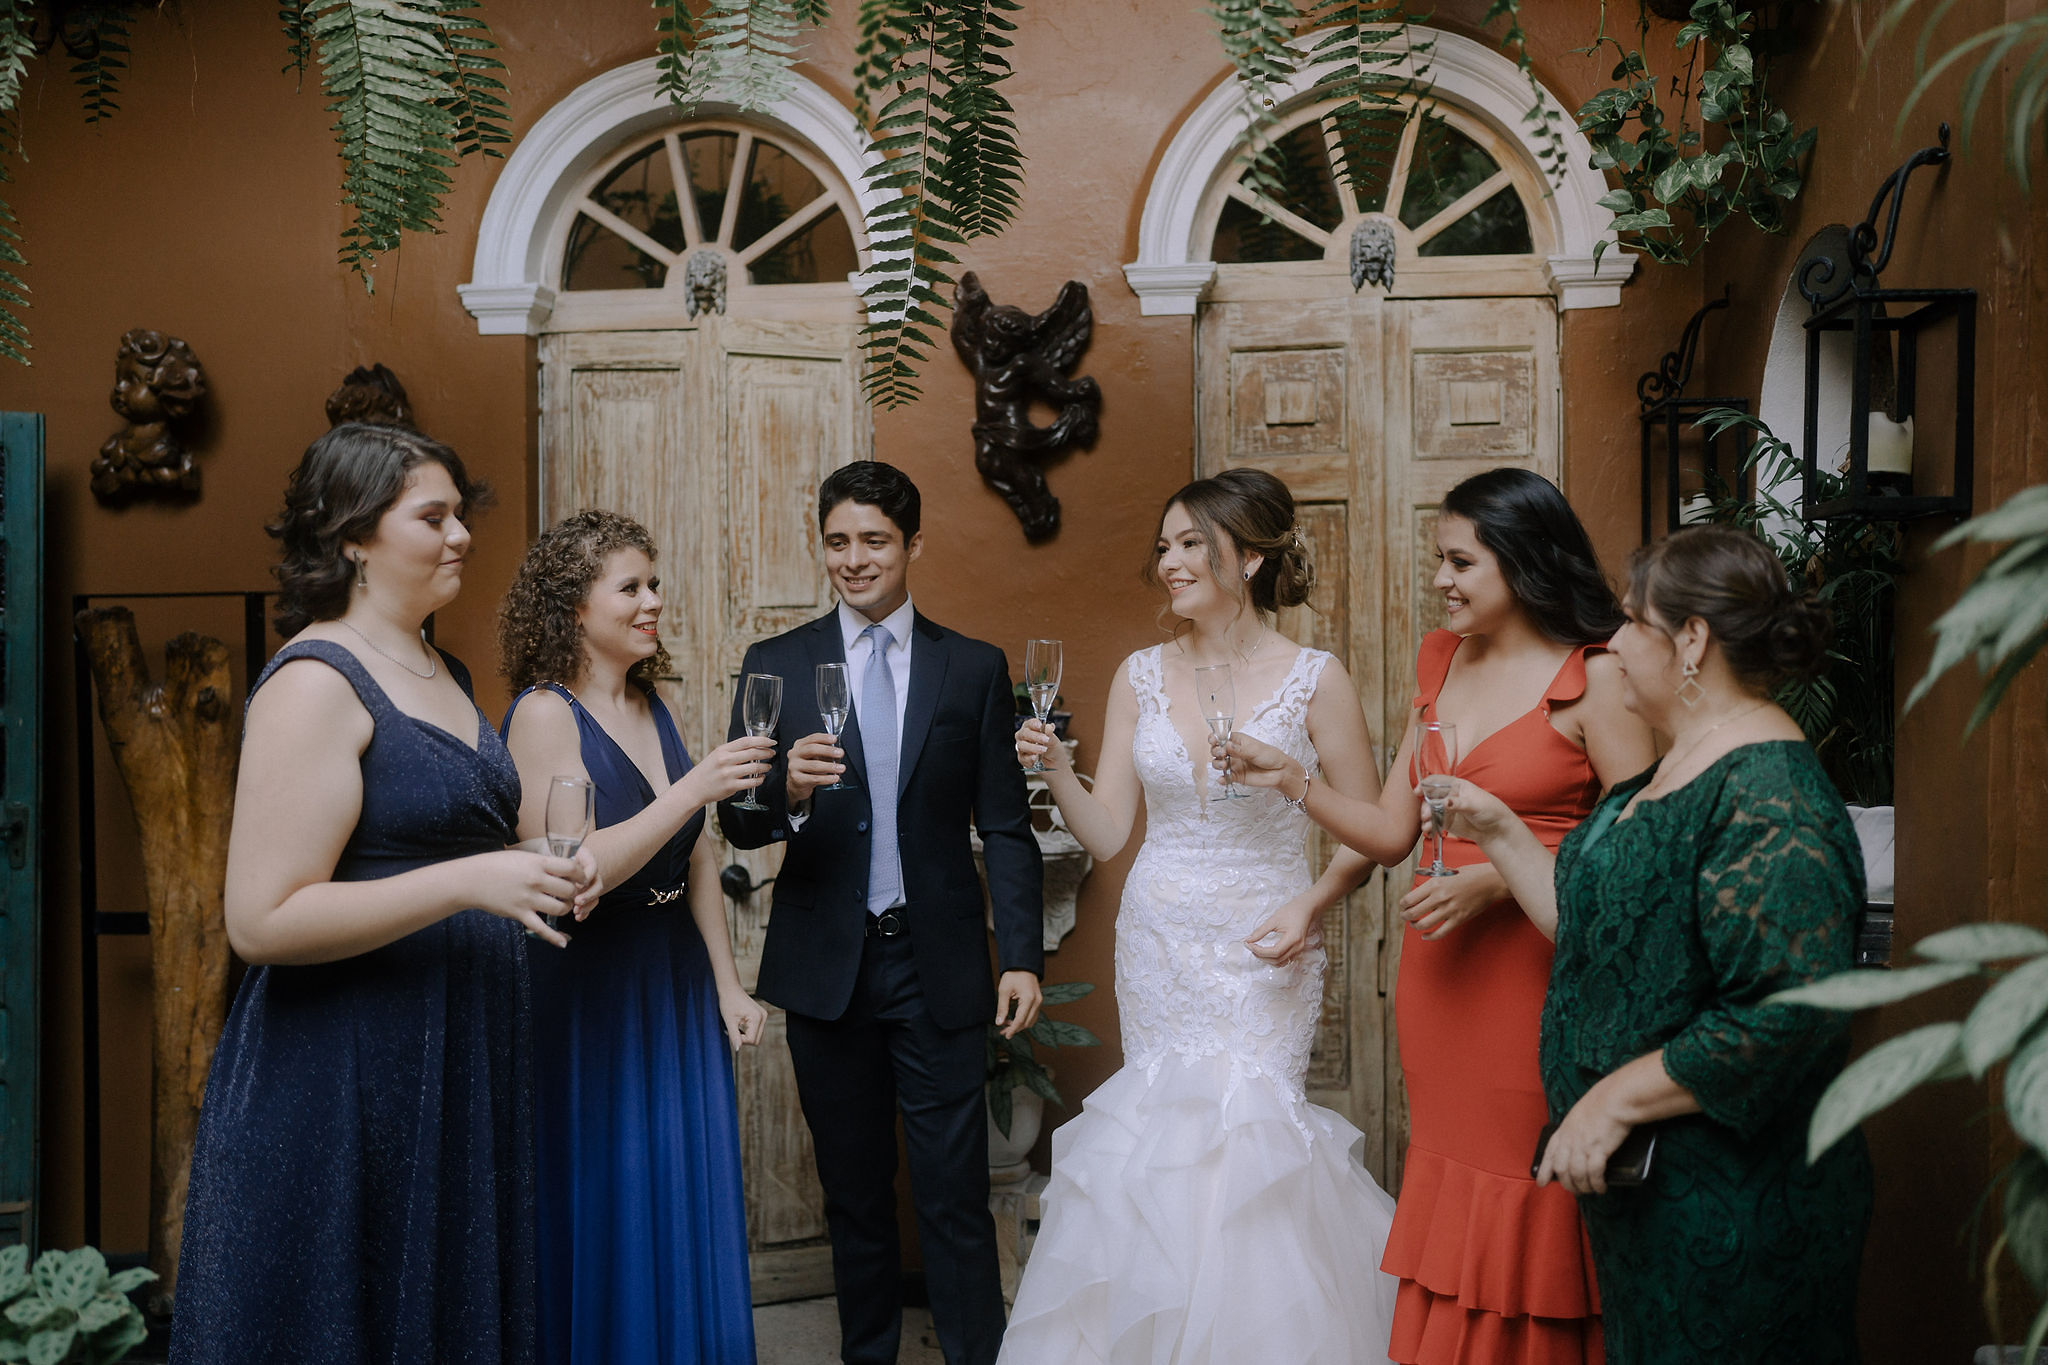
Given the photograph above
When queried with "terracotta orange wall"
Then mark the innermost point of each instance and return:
(207, 208)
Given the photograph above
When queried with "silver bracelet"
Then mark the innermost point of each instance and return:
(1299, 803)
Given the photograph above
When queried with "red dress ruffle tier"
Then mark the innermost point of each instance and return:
(1493, 1270)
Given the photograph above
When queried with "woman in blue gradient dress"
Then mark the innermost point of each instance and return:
(642, 1239)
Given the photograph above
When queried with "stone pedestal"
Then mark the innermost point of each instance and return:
(1015, 1206)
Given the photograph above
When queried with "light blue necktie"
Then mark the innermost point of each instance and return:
(878, 738)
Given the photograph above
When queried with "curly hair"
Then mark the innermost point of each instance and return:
(539, 637)
(346, 482)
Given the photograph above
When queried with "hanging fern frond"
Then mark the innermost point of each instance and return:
(298, 42)
(476, 97)
(675, 49)
(748, 48)
(983, 168)
(97, 36)
(2015, 53)
(386, 70)
(1255, 34)
(902, 47)
(1544, 119)
(17, 45)
(1365, 57)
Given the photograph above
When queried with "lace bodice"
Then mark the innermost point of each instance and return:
(1209, 872)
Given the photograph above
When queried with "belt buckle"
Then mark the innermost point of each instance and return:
(657, 896)
(890, 924)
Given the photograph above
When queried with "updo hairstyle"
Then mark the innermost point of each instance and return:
(1732, 581)
(1255, 512)
(346, 482)
(539, 638)
(1544, 553)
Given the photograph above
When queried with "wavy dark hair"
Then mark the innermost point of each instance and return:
(347, 480)
(539, 637)
(1544, 552)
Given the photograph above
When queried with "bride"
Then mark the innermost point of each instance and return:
(1201, 1211)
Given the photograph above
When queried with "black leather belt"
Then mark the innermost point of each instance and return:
(888, 924)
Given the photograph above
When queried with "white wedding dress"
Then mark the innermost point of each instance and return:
(1200, 1210)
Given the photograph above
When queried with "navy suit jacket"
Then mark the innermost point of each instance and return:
(958, 763)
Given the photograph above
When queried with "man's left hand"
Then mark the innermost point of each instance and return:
(1017, 1002)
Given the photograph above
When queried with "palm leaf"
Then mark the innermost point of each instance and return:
(2015, 52)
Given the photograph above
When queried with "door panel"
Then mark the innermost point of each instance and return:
(1371, 409)
(715, 438)
(21, 848)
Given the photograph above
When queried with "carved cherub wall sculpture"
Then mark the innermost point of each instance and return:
(157, 381)
(1016, 357)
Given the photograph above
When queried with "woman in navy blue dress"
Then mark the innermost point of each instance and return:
(642, 1220)
(362, 1181)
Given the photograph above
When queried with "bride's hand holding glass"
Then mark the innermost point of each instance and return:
(1037, 744)
(1254, 763)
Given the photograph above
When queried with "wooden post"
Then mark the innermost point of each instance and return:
(176, 746)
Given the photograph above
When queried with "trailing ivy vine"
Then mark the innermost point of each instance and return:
(1674, 190)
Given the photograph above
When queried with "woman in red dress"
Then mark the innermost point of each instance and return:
(1493, 1270)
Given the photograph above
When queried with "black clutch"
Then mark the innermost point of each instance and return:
(1630, 1164)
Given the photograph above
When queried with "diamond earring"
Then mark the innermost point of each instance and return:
(1689, 690)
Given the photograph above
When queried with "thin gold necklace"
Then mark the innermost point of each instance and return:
(433, 664)
(1670, 765)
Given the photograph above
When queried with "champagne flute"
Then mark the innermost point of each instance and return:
(760, 708)
(835, 699)
(1218, 696)
(1042, 685)
(1436, 759)
(571, 806)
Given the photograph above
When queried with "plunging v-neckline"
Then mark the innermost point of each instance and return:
(660, 740)
(1301, 652)
(1541, 706)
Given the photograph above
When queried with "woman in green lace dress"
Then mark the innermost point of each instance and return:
(1725, 873)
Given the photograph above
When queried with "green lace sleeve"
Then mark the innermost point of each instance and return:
(1776, 900)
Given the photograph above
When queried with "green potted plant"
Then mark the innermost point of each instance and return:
(1019, 1084)
(67, 1307)
(2002, 620)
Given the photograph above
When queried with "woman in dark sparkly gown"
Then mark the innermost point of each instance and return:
(642, 1221)
(362, 1182)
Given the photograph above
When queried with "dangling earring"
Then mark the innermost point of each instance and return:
(362, 572)
(1689, 690)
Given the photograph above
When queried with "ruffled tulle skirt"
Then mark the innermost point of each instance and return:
(1198, 1218)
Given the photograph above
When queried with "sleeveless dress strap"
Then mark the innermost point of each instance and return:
(1433, 665)
(1570, 683)
(675, 756)
(337, 657)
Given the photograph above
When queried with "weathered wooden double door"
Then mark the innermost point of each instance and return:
(1370, 408)
(715, 436)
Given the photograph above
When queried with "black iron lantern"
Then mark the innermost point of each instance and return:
(1667, 418)
(1895, 334)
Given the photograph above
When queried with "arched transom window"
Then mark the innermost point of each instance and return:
(761, 215)
(1449, 186)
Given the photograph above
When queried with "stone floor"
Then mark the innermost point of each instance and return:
(806, 1332)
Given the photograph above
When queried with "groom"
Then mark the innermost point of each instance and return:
(875, 940)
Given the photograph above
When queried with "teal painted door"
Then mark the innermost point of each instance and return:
(21, 845)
